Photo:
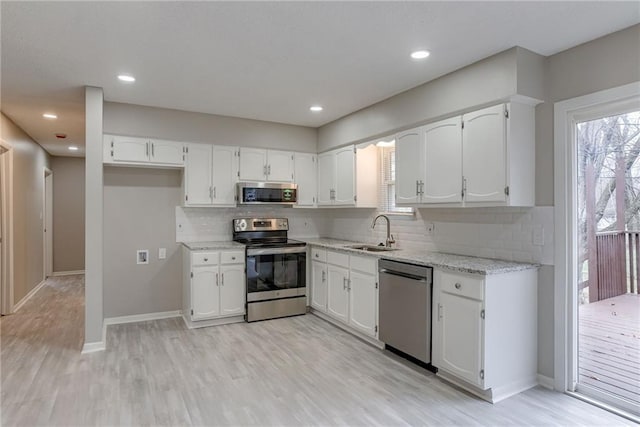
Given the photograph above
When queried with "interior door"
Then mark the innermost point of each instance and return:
(484, 155)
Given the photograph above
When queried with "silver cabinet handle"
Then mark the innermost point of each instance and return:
(211, 192)
(214, 193)
(233, 258)
(269, 170)
(153, 151)
(323, 275)
(222, 279)
(417, 187)
(439, 312)
(217, 283)
(344, 283)
(458, 285)
(264, 170)
(206, 259)
(147, 149)
(317, 255)
(421, 188)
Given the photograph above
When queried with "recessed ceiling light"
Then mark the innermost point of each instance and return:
(73, 148)
(315, 108)
(49, 116)
(420, 54)
(126, 78)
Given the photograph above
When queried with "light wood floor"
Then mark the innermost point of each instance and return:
(295, 371)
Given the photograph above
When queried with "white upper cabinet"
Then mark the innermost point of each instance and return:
(344, 184)
(305, 176)
(197, 175)
(210, 176)
(326, 178)
(483, 158)
(166, 152)
(280, 166)
(443, 162)
(348, 177)
(133, 151)
(484, 155)
(257, 164)
(224, 175)
(409, 166)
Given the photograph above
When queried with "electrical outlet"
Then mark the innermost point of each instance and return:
(162, 253)
(431, 228)
(142, 256)
(538, 235)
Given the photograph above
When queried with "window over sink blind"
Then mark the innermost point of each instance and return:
(387, 181)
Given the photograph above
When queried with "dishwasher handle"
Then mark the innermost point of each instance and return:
(405, 275)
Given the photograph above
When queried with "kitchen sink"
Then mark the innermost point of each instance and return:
(372, 248)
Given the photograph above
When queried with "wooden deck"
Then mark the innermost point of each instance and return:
(609, 346)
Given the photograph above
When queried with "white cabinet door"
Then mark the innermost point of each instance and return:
(409, 166)
(167, 152)
(127, 149)
(345, 184)
(443, 162)
(305, 176)
(197, 175)
(326, 178)
(337, 293)
(458, 336)
(253, 164)
(484, 154)
(205, 296)
(319, 286)
(279, 166)
(225, 175)
(363, 303)
(232, 290)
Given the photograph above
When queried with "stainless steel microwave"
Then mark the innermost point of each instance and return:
(253, 193)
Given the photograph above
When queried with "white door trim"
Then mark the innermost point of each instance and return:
(47, 223)
(6, 262)
(566, 115)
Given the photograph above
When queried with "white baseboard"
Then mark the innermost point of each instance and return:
(66, 273)
(27, 297)
(92, 347)
(142, 317)
(546, 382)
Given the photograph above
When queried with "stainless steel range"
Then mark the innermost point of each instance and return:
(276, 268)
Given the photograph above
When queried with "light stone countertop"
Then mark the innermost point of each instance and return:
(223, 244)
(460, 263)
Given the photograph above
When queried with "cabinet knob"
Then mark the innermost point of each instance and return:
(233, 258)
(458, 285)
(206, 259)
(317, 256)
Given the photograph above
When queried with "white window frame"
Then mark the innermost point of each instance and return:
(383, 188)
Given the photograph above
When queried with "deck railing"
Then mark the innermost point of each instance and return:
(618, 266)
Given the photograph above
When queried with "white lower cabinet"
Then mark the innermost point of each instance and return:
(214, 285)
(485, 331)
(345, 287)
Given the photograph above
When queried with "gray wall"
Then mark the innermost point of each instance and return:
(515, 71)
(139, 213)
(137, 120)
(29, 161)
(68, 213)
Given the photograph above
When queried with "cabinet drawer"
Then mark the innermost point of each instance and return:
(204, 258)
(363, 264)
(466, 286)
(318, 254)
(338, 258)
(232, 257)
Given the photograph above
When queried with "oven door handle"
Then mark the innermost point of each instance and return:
(277, 251)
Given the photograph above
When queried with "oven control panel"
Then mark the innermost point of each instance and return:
(260, 224)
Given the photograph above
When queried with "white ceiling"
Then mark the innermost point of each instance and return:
(262, 60)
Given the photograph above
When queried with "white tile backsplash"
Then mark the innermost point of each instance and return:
(503, 233)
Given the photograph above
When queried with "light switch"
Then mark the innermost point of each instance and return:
(162, 253)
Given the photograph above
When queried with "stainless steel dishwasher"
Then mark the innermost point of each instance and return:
(405, 308)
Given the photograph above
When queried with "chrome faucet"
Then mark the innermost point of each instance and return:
(390, 240)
